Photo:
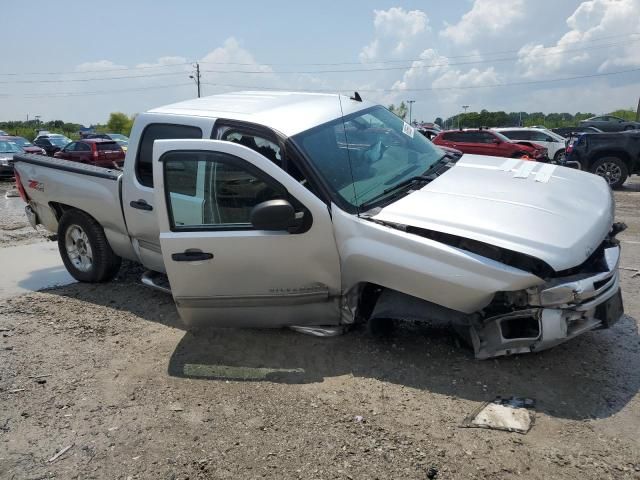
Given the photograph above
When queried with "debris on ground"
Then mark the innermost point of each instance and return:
(509, 414)
(60, 453)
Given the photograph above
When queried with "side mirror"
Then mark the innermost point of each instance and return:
(273, 215)
(497, 141)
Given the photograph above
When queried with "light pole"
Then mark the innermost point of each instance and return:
(410, 102)
(465, 107)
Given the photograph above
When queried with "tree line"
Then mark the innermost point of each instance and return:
(118, 123)
(485, 118)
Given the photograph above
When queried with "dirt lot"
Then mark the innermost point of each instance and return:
(110, 371)
(14, 226)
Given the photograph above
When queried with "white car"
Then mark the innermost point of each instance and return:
(554, 143)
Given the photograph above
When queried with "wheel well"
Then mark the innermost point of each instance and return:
(621, 154)
(60, 208)
(367, 298)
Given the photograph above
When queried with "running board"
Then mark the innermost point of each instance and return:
(320, 331)
(156, 280)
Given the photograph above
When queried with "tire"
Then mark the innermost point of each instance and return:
(629, 127)
(612, 169)
(558, 156)
(84, 248)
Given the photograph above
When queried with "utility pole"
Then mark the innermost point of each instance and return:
(465, 107)
(410, 102)
(638, 112)
(196, 77)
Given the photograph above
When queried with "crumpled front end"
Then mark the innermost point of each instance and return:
(573, 302)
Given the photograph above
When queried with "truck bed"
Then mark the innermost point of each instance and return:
(54, 185)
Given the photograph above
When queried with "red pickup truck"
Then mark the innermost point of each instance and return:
(489, 142)
(95, 151)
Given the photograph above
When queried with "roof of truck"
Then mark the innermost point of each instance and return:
(287, 112)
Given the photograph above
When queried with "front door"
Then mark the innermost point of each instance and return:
(224, 271)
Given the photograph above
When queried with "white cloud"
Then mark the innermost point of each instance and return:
(395, 30)
(226, 66)
(592, 20)
(436, 71)
(100, 65)
(486, 18)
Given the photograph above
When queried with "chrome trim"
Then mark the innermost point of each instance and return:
(253, 300)
(574, 293)
(319, 331)
(149, 279)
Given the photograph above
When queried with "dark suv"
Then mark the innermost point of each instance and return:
(51, 143)
(487, 142)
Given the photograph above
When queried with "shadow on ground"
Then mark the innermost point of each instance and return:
(593, 376)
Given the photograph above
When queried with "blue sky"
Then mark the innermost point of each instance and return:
(442, 54)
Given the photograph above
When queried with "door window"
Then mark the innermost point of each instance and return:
(258, 143)
(485, 137)
(70, 148)
(153, 132)
(82, 147)
(214, 190)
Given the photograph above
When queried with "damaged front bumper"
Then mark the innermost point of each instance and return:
(555, 312)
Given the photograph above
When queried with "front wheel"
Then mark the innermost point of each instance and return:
(84, 248)
(612, 169)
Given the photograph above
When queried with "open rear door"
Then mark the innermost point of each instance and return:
(224, 271)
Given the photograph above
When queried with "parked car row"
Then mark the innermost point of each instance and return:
(611, 155)
(103, 150)
(490, 142)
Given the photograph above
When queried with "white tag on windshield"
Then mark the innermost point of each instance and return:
(408, 130)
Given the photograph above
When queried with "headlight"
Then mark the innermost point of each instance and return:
(4, 162)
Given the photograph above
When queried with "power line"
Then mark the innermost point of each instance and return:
(410, 60)
(468, 87)
(99, 92)
(155, 75)
(333, 90)
(251, 72)
(123, 69)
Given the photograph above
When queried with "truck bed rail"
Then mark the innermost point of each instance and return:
(68, 166)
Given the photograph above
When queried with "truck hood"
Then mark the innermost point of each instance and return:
(556, 214)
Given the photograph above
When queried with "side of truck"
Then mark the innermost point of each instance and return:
(317, 211)
(613, 156)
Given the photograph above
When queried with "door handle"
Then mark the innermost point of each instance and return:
(191, 256)
(141, 205)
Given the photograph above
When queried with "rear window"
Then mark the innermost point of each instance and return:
(153, 132)
(107, 146)
(455, 136)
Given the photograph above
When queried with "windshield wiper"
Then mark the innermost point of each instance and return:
(409, 181)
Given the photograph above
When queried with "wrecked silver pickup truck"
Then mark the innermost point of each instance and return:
(317, 211)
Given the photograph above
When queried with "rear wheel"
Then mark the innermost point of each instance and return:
(559, 156)
(612, 169)
(84, 248)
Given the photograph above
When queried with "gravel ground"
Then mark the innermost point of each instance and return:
(109, 371)
(14, 226)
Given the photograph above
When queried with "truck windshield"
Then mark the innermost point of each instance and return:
(367, 153)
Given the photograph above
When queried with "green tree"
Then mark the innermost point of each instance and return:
(401, 110)
(119, 123)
